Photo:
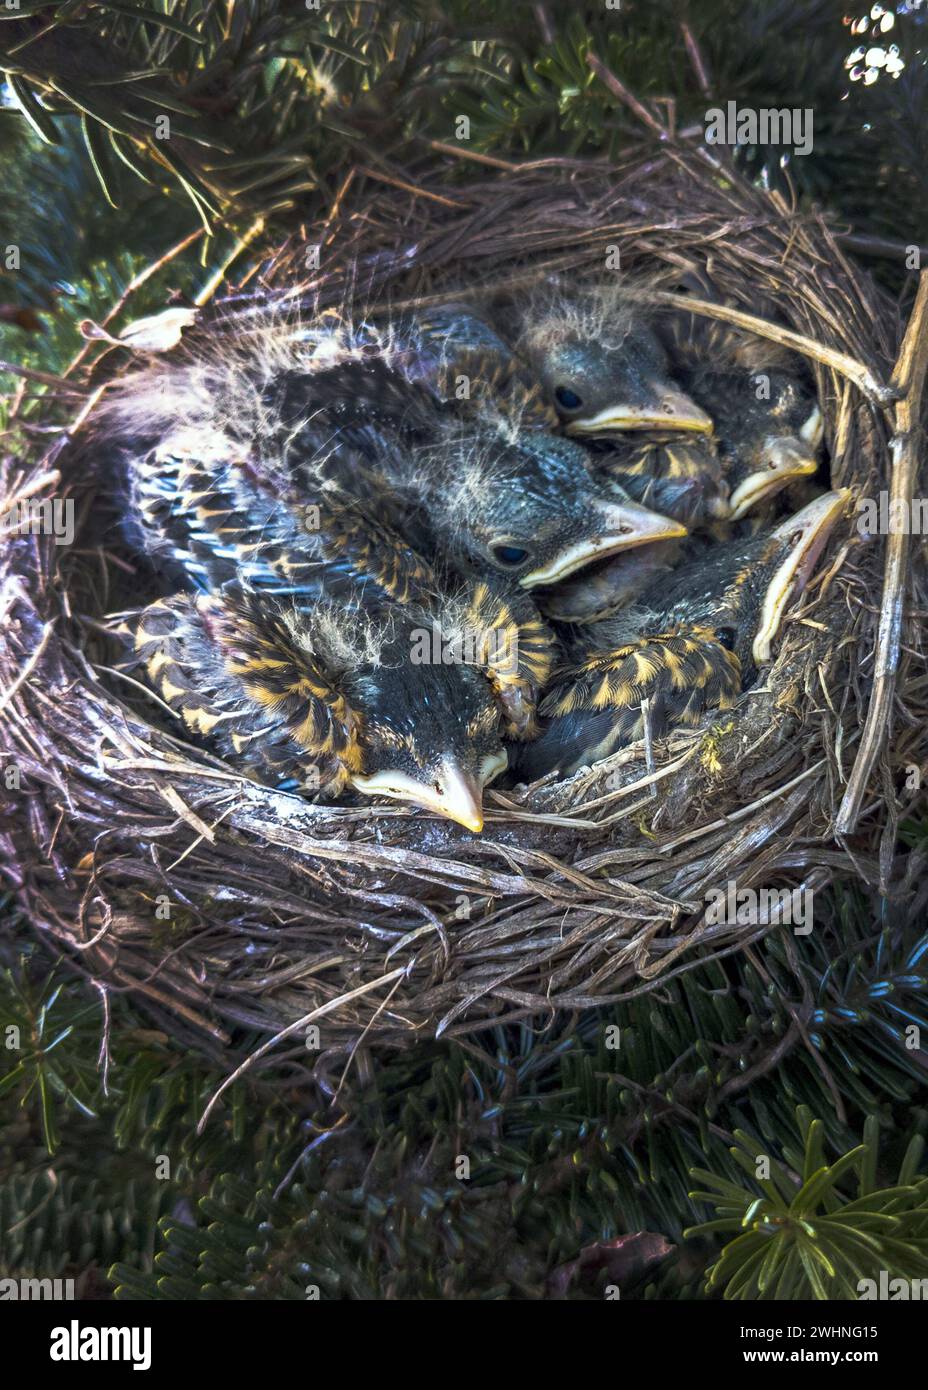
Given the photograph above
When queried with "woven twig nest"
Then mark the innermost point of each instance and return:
(233, 911)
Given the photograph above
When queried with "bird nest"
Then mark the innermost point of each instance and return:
(240, 916)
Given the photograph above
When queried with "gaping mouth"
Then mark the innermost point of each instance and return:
(806, 534)
(669, 409)
(605, 587)
(785, 460)
(455, 794)
(626, 525)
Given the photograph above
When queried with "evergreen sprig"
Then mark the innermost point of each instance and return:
(811, 1229)
(574, 1136)
(40, 1070)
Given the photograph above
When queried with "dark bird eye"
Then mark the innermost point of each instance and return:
(726, 635)
(567, 399)
(509, 555)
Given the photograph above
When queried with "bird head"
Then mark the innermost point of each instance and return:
(758, 477)
(742, 590)
(349, 681)
(430, 737)
(767, 421)
(532, 511)
(598, 387)
(601, 365)
(775, 437)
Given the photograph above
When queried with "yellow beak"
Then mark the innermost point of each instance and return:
(807, 533)
(623, 526)
(669, 409)
(455, 794)
(785, 459)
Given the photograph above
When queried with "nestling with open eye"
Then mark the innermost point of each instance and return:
(600, 363)
(259, 497)
(524, 504)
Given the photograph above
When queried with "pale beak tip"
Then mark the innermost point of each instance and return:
(461, 801)
(648, 525)
(463, 798)
(468, 814)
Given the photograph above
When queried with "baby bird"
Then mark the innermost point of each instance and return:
(234, 476)
(326, 696)
(218, 524)
(690, 644)
(336, 612)
(766, 441)
(601, 364)
(522, 504)
(535, 513)
(700, 481)
(768, 430)
(611, 377)
(768, 424)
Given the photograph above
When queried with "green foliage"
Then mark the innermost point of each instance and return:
(76, 257)
(270, 103)
(574, 1136)
(52, 211)
(262, 100)
(36, 1024)
(810, 1229)
(92, 1156)
(75, 1223)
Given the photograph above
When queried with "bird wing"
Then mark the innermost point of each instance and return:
(233, 672)
(363, 399)
(686, 668)
(463, 345)
(595, 706)
(222, 527)
(375, 551)
(459, 341)
(515, 648)
(676, 477)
